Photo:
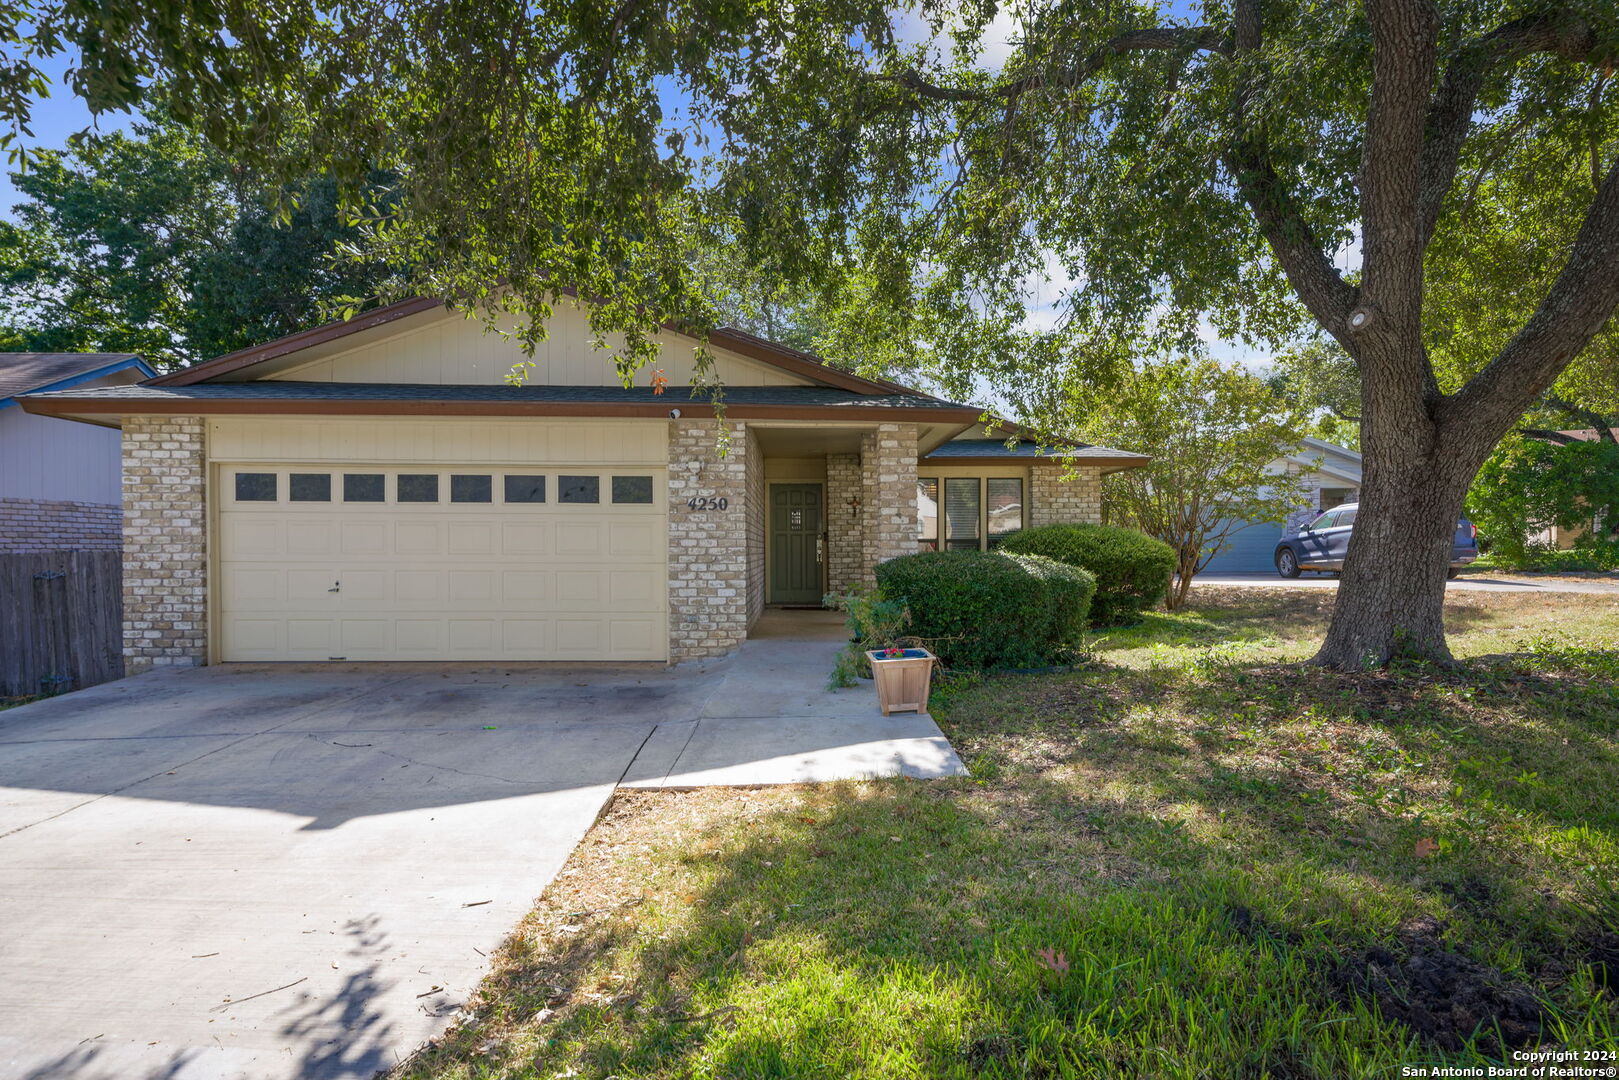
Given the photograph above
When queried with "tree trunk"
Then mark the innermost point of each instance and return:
(1181, 583)
(1391, 598)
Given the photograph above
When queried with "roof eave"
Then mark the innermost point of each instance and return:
(1109, 462)
(123, 364)
(84, 408)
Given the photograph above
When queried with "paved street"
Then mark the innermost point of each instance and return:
(1482, 582)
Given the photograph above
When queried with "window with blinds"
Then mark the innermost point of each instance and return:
(1003, 498)
(962, 510)
(927, 513)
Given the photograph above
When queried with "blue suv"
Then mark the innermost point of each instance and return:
(1322, 544)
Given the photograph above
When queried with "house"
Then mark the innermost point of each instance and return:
(375, 490)
(1558, 537)
(1331, 476)
(60, 487)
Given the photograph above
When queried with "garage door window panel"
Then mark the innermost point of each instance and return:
(524, 489)
(471, 489)
(256, 487)
(364, 488)
(634, 490)
(310, 487)
(579, 489)
(417, 487)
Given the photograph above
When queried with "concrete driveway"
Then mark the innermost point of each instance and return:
(272, 871)
(1474, 582)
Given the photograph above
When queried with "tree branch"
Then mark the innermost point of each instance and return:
(1547, 435)
(1582, 298)
(1280, 218)
(1149, 39)
(1451, 112)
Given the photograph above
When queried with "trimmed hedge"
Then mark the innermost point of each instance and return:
(979, 609)
(1132, 570)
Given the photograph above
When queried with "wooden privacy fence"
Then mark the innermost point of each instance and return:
(61, 621)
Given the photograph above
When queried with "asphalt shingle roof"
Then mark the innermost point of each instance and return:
(609, 395)
(992, 448)
(21, 372)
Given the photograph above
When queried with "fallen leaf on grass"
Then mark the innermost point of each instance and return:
(1053, 960)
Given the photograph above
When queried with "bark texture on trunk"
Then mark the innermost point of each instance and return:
(1416, 473)
(1391, 599)
(1181, 583)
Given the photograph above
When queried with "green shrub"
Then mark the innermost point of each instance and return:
(1132, 569)
(982, 609)
(1589, 556)
(874, 623)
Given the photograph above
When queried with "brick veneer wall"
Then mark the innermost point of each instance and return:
(1058, 496)
(756, 509)
(165, 543)
(55, 525)
(845, 535)
(708, 550)
(889, 466)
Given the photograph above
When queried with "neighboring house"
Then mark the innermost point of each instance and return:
(60, 487)
(1331, 476)
(374, 490)
(1556, 536)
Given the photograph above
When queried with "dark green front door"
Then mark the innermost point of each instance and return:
(795, 539)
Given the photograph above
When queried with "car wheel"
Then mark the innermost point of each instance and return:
(1287, 563)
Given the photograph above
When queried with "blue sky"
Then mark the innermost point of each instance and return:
(55, 119)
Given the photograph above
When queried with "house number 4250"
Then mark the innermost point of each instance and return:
(707, 502)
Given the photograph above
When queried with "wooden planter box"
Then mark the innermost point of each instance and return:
(902, 681)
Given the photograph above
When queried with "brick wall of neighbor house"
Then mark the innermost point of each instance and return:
(52, 525)
(708, 549)
(1059, 496)
(845, 535)
(756, 509)
(888, 466)
(165, 543)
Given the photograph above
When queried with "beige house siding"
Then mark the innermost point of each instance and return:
(444, 347)
(165, 531)
(490, 440)
(708, 548)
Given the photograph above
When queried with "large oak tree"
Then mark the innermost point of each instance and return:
(1222, 168)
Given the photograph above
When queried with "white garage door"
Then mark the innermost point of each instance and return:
(355, 562)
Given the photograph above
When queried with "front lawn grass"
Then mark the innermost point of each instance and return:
(1188, 860)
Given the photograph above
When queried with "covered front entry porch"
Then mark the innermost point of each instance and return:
(833, 502)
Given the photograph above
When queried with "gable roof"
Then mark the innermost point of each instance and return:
(1327, 458)
(795, 361)
(283, 396)
(25, 372)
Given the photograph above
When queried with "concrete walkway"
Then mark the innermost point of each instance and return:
(1468, 582)
(275, 871)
